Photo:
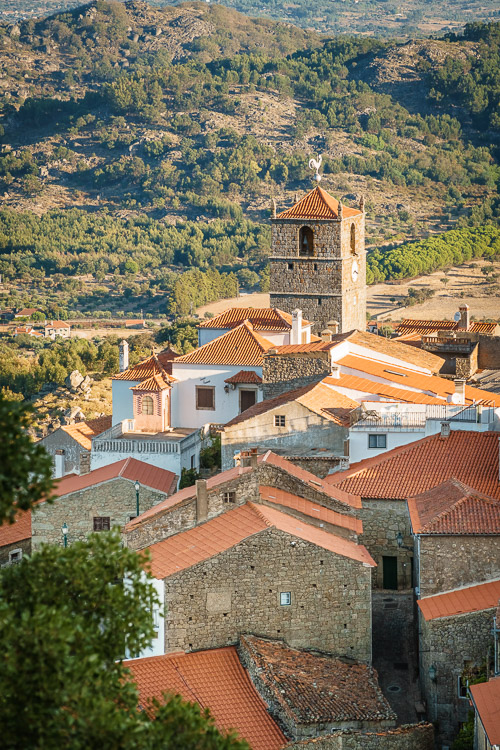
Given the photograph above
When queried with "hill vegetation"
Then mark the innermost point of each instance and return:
(141, 148)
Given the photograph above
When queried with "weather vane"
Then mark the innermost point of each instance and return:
(316, 164)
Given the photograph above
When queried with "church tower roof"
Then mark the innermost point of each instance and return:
(317, 204)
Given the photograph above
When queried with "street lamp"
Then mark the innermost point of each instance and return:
(64, 529)
(137, 488)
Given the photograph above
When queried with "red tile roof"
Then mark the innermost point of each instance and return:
(407, 377)
(426, 327)
(10, 533)
(313, 346)
(219, 534)
(83, 432)
(318, 398)
(154, 384)
(245, 377)
(471, 457)
(262, 319)
(240, 346)
(403, 352)
(461, 601)
(363, 385)
(314, 510)
(486, 700)
(57, 324)
(216, 680)
(128, 468)
(156, 364)
(315, 688)
(454, 508)
(317, 204)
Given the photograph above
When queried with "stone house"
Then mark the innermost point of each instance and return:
(57, 329)
(259, 570)
(15, 539)
(70, 445)
(257, 479)
(311, 422)
(454, 522)
(455, 645)
(100, 500)
(485, 701)
(385, 482)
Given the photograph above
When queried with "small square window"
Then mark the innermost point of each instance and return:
(279, 420)
(205, 397)
(285, 598)
(290, 266)
(102, 523)
(377, 441)
(15, 555)
(229, 497)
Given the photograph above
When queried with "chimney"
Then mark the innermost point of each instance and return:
(333, 325)
(335, 371)
(296, 332)
(123, 349)
(326, 335)
(459, 391)
(445, 429)
(253, 458)
(249, 458)
(201, 500)
(464, 322)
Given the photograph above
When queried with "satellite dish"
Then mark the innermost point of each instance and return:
(457, 317)
(456, 398)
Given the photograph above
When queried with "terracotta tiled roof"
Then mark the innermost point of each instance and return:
(10, 533)
(154, 384)
(471, 457)
(363, 385)
(318, 204)
(135, 322)
(244, 377)
(262, 319)
(350, 500)
(241, 346)
(156, 364)
(83, 432)
(313, 346)
(461, 601)
(406, 377)
(57, 324)
(454, 508)
(314, 510)
(128, 468)
(318, 398)
(486, 700)
(216, 680)
(312, 688)
(26, 312)
(407, 354)
(209, 539)
(426, 327)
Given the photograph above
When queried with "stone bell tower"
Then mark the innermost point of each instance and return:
(318, 261)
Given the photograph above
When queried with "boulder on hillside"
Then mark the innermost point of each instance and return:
(73, 380)
(75, 414)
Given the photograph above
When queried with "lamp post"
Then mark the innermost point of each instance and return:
(137, 488)
(65, 529)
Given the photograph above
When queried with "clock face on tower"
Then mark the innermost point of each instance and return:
(355, 270)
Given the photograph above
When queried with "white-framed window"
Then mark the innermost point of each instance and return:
(147, 405)
(285, 598)
(279, 420)
(15, 555)
(377, 441)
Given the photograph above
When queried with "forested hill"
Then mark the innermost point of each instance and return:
(169, 130)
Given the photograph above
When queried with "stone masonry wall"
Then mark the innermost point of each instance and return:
(24, 545)
(448, 562)
(303, 431)
(212, 603)
(60, 440)
(115, 499)
(448, 644)
(489, 353)
(320, 467)
(382, 520)
(282, 373)
(409, 737)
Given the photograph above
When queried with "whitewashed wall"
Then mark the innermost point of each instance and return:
(123, 404)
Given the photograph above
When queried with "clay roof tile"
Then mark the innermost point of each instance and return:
(317, 204)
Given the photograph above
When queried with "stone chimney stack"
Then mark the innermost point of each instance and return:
(459, 391)
(326, 335)
(123, 349)
(296, 332)
(464, 322)
(249, 458)
(445, 429)
(333, 325)
(201, 500)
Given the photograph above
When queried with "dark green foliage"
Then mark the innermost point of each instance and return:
(188, 478)
(210, 457)
(465, 738)
(25, 468)
(182, 334)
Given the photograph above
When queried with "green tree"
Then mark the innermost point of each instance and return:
(26, 468)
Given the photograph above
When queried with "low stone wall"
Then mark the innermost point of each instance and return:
(282, 373)
(320, 467)
(489, 353)
(409, 737)
(475, 558)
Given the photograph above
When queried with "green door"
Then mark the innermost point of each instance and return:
(390, 572)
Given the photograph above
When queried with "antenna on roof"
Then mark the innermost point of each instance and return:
(316, 164)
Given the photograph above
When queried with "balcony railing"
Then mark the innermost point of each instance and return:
(411, 421)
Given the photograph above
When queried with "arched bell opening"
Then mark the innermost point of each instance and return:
(306, 242)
